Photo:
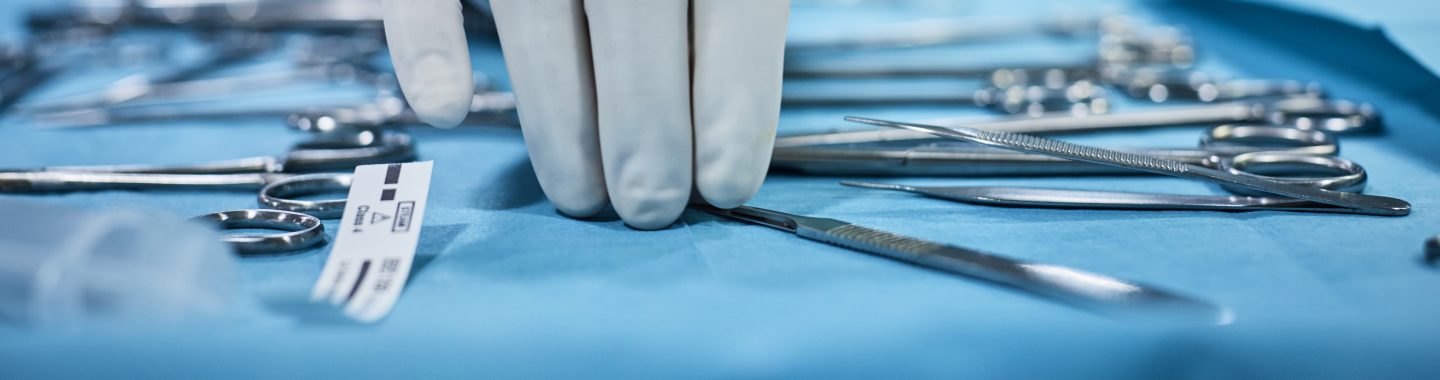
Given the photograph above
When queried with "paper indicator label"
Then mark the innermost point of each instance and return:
(371, 256)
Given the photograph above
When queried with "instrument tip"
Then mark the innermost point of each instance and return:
(872, 185)
(865, 120)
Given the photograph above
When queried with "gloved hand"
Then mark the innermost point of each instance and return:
(630, 102)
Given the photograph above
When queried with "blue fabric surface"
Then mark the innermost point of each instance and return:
(506, 287)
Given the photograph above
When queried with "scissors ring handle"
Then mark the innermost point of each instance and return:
(302, 231)
(343, 151)
(1330, 115)
(278, 195)
(1323, 172)
(1232, 139)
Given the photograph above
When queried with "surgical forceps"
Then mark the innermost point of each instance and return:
(1069, 285)
(1231, 179)
(1216, 145)
(1329, 115)
(324, 153)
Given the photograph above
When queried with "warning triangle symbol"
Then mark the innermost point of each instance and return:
(376, 217)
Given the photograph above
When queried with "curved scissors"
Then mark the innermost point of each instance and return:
(1224, 141)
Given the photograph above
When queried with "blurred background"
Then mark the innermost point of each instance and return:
(503, 286)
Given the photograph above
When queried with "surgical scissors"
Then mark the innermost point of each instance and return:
(300, 219)
(302, 231)
(1329, 115)
(1061, 283)
(326, 152)
(1351, 178)
(1360, 203)
(1218, 143)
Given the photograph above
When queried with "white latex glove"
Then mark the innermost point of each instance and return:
(630, 102)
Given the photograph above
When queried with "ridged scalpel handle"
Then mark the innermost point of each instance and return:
(1048, 280)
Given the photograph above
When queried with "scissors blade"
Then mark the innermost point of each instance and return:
(43, 181)
(1363, 204)
(1058, 282)
(235, 166)
(769, 218)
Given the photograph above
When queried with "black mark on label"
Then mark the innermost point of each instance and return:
(403, 212)
(359, 279)
(360, 215)
(392, 174)
(387, 195)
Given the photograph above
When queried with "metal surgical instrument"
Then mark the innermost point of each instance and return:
(343, 15)
(949, 31)
(1363, 204)
(487, 108)
(1334, 116)
(300, 219)
(302, 231)
(1065, 284)
(1166, 84)
(232, 49)
(1026, 99)
(280, 195)
(961, 159)
(324, 153)
(1353, 180)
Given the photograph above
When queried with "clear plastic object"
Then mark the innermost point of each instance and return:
(66, 268)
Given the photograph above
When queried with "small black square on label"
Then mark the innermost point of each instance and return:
(392, 174)
(387, 195)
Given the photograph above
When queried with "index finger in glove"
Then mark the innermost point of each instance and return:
(431, 57)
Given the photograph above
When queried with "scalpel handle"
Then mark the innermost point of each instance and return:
(1068, 284)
